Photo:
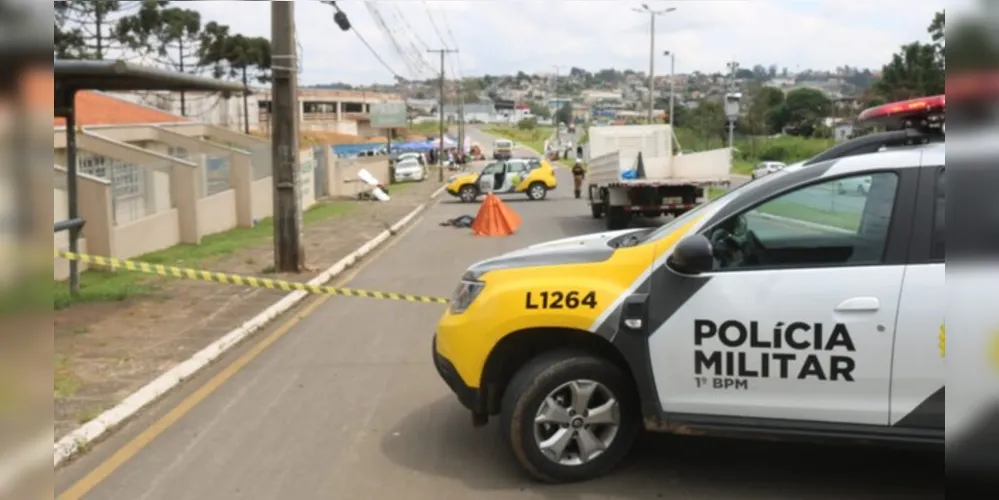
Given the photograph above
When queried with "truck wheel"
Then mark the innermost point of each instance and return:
(537, 191)
(569, 416)
(617, 218)
(597, 209)
(468, 193)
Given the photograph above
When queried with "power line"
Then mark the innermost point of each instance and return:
(414, 69)
(346, 25)
(411, 35)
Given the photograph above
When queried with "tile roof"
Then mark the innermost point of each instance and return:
(93, 108)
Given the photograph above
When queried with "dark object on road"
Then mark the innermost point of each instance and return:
(464, 221)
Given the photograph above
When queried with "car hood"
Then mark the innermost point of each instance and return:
(463, 178)
(574, 250)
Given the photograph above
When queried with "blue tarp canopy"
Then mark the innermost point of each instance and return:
(355, 149)
(413, 146)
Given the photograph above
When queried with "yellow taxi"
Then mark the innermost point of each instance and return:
(532, 176)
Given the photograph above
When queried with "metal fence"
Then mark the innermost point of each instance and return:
(214, 175)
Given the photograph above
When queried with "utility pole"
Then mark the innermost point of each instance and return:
(732, 67)
(461, 118)
(672, 94)
(440, 108)
(558, 108)
(652, 48)
(289, 254)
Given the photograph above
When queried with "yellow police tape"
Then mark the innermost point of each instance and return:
(235, 279)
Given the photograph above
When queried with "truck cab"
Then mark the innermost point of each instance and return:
(784, 308)
(502, 149)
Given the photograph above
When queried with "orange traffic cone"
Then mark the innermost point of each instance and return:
(495, 218)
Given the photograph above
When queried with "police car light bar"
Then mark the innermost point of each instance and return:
(921, 106)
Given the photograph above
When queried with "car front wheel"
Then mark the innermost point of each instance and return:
(569, 416)
(468, 193)
(537, 191)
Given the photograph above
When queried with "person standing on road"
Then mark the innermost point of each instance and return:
(578, 173)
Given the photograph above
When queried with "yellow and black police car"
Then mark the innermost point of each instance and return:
(785, 307)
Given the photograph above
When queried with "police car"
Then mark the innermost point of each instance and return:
(783, 308)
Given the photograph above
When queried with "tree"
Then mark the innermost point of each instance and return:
(708, 121)
(913, 72)
(235, 56)
(762, 104)
(171, 34)
(83, 29)
(540, 110)
(917, 69)
(564, 114)
(802, 112)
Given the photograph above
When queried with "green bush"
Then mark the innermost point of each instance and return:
(787, 149)
(527, 124)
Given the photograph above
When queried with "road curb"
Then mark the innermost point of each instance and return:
(71, 444)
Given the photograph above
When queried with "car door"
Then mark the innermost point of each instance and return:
(918, 371)
(515, 173)
(797, 318)
(487, 179)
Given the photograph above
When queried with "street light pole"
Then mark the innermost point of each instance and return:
(652, 48)
(672, 84)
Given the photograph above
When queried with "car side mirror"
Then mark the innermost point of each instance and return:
(692, 255)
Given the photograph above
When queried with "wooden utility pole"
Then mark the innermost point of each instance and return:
(289, 254)
(440, 108)
(461, 118)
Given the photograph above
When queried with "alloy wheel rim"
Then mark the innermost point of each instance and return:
(577, 422)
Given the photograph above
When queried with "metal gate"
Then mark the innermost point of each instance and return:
(321, 171)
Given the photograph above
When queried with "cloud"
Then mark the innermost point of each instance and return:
(504, 36)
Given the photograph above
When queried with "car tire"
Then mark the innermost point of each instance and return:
(565, 377)
(617, 218)
(537, 191)
(468, 193)
(597, 210)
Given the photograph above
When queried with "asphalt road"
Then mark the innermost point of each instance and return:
(346, 404)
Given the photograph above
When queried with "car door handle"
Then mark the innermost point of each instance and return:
(859, 304)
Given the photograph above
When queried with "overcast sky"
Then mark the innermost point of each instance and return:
(504, 36)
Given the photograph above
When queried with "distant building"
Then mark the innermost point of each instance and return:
(842, 131)
(485, 113)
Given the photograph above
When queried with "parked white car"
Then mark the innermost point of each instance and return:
(767, 167)
(412, 156)
(409, 170)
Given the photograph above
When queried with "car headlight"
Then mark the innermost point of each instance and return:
(466, 293)
(452, 179)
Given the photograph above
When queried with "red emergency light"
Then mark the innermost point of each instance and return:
(905, 109)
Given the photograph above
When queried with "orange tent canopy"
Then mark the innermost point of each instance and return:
(495, 218)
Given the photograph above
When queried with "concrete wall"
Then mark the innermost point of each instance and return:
(176, 207)
(343, 179)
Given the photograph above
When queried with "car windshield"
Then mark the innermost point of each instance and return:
(504, 144)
